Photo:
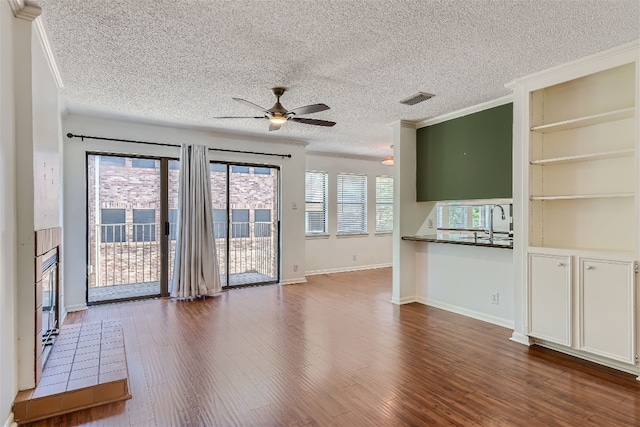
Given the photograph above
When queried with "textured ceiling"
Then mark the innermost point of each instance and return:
(181, 62)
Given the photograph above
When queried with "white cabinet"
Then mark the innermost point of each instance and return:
(607, 305)
(550, 298)
(602, 292)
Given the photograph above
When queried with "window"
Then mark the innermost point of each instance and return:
(384, 204)
(144, 163)
(173, 224)
(112, 161)
(144, 225)
(262, 220)
(262, 171)
(239, 169)
(315, 207)
(174, 165)
(218, 167)
(220, 223)
(352, 204)
(463, 217)
(239, 223)
(113, 226)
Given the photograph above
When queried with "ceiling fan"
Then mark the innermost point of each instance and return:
(278, 115)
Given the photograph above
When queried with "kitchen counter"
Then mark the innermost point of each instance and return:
(500, 241)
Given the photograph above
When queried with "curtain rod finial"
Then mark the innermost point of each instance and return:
(69, 135)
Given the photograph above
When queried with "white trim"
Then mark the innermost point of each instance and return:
(404, 124)
(348, 269)
(590, 357)
(293, 281)
(23, 11)
(466, 312)
(10, 422)
(403, 300)
(48, 51)
(520, 339)
(343, 155)
(606, 59)
(76, 307)
(466, 111)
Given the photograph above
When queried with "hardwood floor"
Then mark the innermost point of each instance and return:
(336, 352)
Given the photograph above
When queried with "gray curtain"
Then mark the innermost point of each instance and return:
(195, 270)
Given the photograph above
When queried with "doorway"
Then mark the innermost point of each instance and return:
(246, 222)
(132, 212)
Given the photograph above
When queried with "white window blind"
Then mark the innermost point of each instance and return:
(384, 203)
(315, 207)
(352, 204)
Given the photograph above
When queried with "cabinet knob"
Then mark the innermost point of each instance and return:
(560, 264)
(588, 267)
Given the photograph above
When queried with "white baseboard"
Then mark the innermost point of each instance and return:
(590, 357)
(347, 269)
(466, 312)
(10, 422)
(293, 281)
(77, 307)
(520, 338)
(403, 300)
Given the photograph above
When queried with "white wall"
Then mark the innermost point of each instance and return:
(75, 254)
(327, 254)
(463, 279)
(8, 280)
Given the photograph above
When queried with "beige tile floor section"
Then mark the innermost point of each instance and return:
(86, 367)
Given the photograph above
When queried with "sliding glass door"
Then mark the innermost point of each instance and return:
(124, 233)
(132, 212)
(246, 220)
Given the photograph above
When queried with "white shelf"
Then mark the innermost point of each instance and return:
(585, 157)
(584, 196)
(595, 119)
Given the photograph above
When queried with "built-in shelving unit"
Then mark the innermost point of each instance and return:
(578, 128)
(582, 161)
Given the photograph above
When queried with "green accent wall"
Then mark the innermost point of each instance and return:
(466, 158)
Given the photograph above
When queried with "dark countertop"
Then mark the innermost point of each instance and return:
(499, 241)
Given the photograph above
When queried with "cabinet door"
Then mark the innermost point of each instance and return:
(607, 296)
(550, 298)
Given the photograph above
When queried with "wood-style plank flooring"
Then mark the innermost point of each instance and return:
(336, 352)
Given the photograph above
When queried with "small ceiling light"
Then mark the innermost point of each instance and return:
(278, 119)
(388, 161)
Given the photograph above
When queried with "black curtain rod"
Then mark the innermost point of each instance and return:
(83, 137)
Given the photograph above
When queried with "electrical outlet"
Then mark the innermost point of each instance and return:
(495, 298)
(295, 267)
(430, 223)
(355, 257)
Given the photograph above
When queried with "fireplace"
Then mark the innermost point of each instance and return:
(47, 294)
(50, 310)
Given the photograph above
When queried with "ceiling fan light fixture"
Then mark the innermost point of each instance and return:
(387, 161)
(278, 119)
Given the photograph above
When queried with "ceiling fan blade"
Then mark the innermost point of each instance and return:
(250, 104)
(240, 117)
(275, 126)
(308, 109)
(313, 121)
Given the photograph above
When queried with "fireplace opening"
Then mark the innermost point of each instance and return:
(49, 303)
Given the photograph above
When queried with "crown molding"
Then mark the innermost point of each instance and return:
(41, 31)
(343, 155)
(618, 55)
(404, 124)
(29, 12)
(466, 111)
(24, 10)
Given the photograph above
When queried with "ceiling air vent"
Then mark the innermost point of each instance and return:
(418, 97)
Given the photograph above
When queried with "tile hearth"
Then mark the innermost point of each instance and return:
(87, 367)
